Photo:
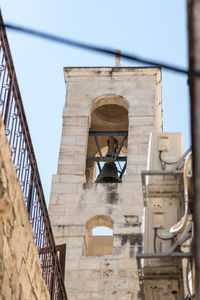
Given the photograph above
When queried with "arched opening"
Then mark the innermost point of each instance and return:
(99, 236)
(108, 139)
(102, 231)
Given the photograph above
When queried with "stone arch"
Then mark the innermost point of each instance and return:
(109, 99)
(109, 113)
(98, 245)
(99, 220)
(106, 210)
(111, 110)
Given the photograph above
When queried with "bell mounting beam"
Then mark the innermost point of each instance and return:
(98, 147)
(99, 166)
(111, 158)
(108, 133)
(95, 134)
(121, 145)
(106, 159)
(123, 170)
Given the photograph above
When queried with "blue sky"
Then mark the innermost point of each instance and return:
(152, 29)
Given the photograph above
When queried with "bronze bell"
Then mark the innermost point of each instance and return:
(108, 174)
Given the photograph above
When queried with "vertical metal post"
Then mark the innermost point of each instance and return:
(52, 284)
(11, 82)
(61, 250)
(30, 193)
(193, 7)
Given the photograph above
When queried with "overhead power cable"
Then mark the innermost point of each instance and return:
(98, 49)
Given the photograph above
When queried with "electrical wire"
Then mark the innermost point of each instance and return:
(164, 162)
(154, 241)
(162, 238)
(94, 48)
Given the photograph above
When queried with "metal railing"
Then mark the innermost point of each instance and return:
(13, 116)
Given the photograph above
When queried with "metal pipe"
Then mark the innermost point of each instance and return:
(193, 9)
(161, 255)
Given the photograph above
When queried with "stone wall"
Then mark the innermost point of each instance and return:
(20, 271)
(74, 201)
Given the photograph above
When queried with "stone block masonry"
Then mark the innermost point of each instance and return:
(20, 271)
(103, 268)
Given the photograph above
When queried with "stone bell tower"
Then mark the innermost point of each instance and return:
(108, 115)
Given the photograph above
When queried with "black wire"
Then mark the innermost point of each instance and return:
(161, 238)
(98, 49)
(154, 241)
(165, 162)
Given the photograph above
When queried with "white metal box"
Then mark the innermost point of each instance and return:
(165, 149)
(157, 239)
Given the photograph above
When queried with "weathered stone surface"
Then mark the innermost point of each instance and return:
(20, 271)
(76, 202)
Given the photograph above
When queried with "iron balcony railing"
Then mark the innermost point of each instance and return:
(13, 115)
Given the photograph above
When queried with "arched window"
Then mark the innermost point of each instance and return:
(108, 139)
(102, 230)
(99, 236)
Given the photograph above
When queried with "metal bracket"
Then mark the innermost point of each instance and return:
(145, 173)
(185, 235)
(102, 158)
(181, 159)
(144, 277)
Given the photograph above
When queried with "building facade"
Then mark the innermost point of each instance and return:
(108, 116)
